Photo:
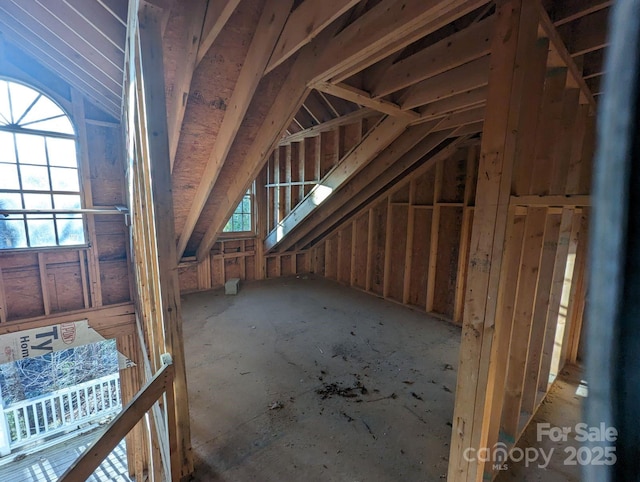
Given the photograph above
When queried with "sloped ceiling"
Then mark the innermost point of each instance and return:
(324, 60)
(82, 41)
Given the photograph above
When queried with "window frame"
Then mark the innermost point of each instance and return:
(44, 134)
(231, 235)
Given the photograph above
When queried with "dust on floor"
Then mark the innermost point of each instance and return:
(301, 379)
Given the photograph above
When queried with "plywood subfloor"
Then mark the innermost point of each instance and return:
(303, 379)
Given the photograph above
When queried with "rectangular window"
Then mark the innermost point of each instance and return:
(241, 221)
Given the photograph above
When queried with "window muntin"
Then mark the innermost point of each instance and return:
(241, 221)
(39, 176)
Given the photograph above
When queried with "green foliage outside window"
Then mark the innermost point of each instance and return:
(241, 219)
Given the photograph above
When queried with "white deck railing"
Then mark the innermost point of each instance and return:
(60, 411)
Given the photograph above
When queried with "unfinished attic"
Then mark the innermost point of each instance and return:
(284, 240)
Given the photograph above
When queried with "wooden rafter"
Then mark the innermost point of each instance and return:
(377, 140)
(56, 36)
(453, 51)
(416, 143)
(386, 28)
(269, 27)
(383, 30)
(462, 101)
(448, 13)
(570, 10)
(586, 34)
(103, 20)
(217, 15)
(185, 50)
(559, 50)
(327, 126)
(366, 197)
(305, 23)
(461, 79)
(357, 96)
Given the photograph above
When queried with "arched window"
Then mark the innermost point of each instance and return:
(39, 179)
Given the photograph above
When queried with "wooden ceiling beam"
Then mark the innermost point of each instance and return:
(469, 130)
(593, 64)
(327, 126)
(586, 34)
(378, 139)
(185, 51)
(462, 47)
(363, 98)
(284, 107)
(363, 192)
(216, 17)
(461, 79)
(304, 118)
(404, 143)
(459, 119)
(318, 108)
(117, 8)
(559, 49)
(267, 32)
(448, 13)
(385, 29)
(66, 21)
(569, 10)
(304, 24)
(462, 101)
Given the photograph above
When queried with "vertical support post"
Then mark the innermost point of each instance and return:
(369, 272)
(85, 172)
(386, 280)
(158, 148)
(354, 247)
(513, 54)
(463, 250)
(44, 283)
(433, 245)
(3, 300)
(408, 259)
(261, 206)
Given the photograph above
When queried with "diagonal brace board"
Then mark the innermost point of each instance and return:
(381, 136)
(269, 27)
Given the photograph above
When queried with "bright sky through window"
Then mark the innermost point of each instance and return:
(38, 171)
